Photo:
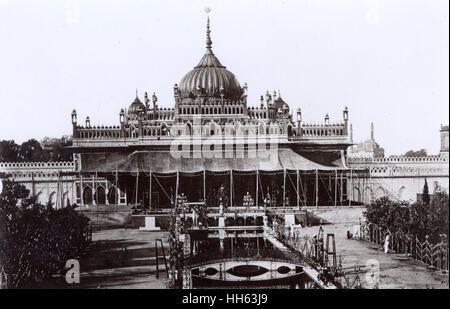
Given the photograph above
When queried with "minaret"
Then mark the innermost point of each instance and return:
(371, 131)
(154, 100)
(351, 133)
(74, 124)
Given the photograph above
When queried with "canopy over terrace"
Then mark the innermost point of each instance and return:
(164, 163)
(289, 178)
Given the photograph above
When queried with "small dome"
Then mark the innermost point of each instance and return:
(136, 107)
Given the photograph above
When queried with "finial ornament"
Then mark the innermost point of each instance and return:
(208, 37)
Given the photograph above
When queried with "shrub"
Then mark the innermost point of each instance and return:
(36, 240)
(420, 219)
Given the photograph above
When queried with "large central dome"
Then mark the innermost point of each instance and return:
(211, 76)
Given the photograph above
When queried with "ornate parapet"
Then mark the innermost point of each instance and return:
(24, 171)
(64, 165)
(401, 166)
(97, 132)
(399, 159)
(321, 130)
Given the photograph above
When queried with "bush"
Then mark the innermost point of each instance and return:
(36, 240)
(420, 219)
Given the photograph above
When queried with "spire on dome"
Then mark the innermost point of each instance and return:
(208, 37)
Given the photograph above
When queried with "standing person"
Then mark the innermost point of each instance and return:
(124, 256)
(386, 244)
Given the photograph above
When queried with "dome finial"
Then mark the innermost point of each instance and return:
(208, 31)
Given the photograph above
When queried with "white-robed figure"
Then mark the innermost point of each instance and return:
(386, 243)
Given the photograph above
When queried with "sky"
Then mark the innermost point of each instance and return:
(387, 60)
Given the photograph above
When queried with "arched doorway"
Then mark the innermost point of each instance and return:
(87, 196)
(289, 129)
(368, 195)
(188, 130)
(112, 195)
(356, 194)
(66, 201)
(100, 195)
(52, 199)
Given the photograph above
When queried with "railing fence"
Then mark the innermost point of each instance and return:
(434, 255)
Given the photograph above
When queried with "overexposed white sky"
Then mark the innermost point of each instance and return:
(387, 60)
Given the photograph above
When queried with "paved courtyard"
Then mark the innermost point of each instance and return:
(106, 265)
(396, 270)
(109, 265)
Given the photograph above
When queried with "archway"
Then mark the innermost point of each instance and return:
(66, 201)
(356, 194)
(112, 195)
(289, 131)
(188, 129)
(368, 195)
(100, 195)
(39, 198)
(380, 192)
(52, 199)
(87, 196)
(401, 193)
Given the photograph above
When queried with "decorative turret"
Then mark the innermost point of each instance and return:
(146, 100)
(345, 115)
(444, 141)
(74, 123)
(122, 117)
(351, 134)
(327, 119)
(268, 98)
(88, 122)
(371, 132)
(245, 88)
(175, 91)
(262, 102)
(154, 100)
(299, 121)
(74, 117)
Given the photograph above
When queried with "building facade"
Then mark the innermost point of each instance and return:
(401, 177)
(213, 142)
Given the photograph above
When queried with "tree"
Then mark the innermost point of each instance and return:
(8, 151)
(419, 218)
(35, 240)
(31, 151)
(57, 148)
(412, 153)
(425, 194)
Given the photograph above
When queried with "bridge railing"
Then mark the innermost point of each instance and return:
(434, 255)
(240, 254)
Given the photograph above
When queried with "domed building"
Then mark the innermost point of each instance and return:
(210, 138)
